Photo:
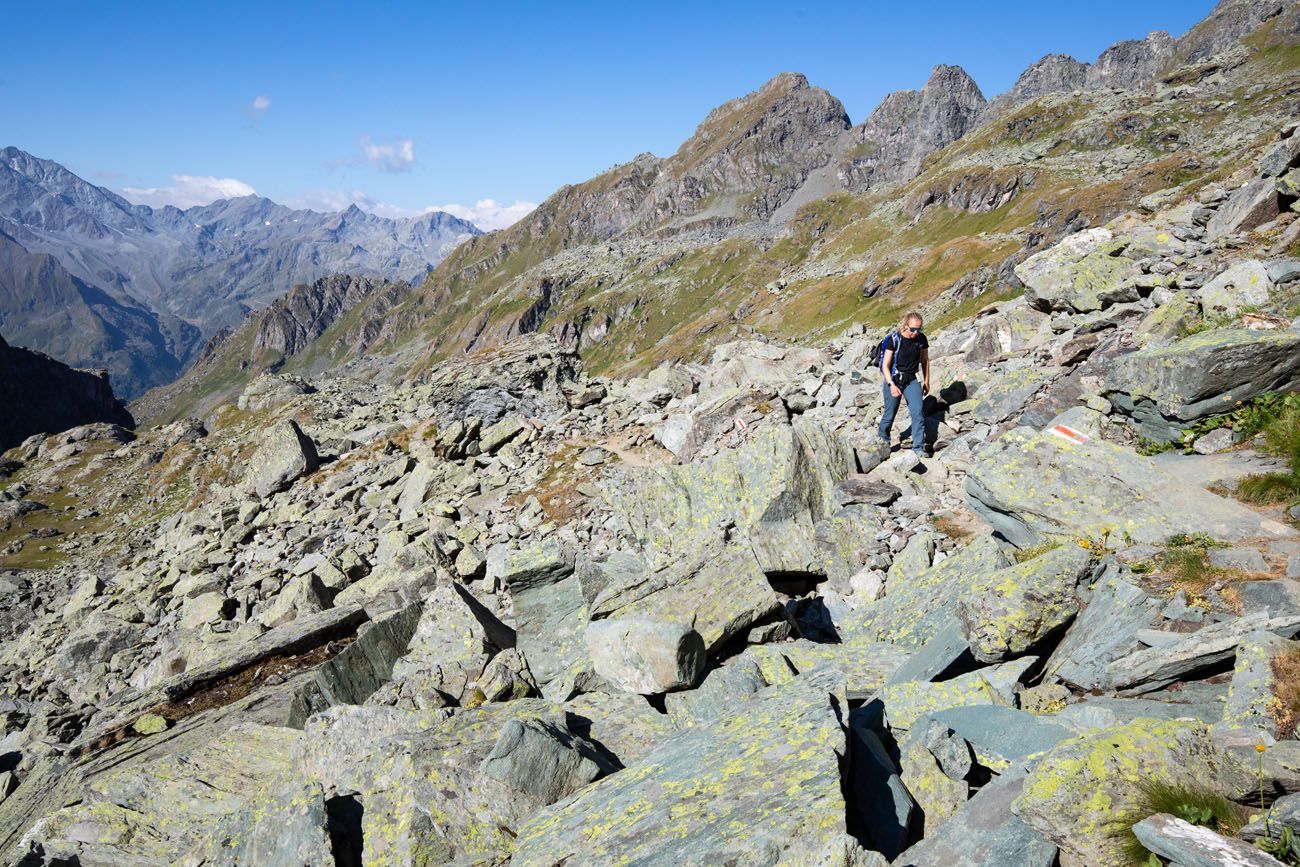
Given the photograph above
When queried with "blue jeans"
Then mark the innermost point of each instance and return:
(912, 394)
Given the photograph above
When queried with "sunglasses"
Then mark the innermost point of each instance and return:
(911, 328)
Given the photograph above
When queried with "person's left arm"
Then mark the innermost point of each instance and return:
(925, 368)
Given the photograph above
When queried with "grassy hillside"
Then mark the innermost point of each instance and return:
(587, 267)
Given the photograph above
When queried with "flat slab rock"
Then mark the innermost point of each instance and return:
(1082, 795)
(1189, 845)
(706, 797)
(857, 489)
(1028, 483)
(984, 832)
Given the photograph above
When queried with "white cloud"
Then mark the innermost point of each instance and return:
(255, 109)
(488, 214)
(396, 156)
(187, 191)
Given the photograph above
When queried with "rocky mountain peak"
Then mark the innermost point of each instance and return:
(1052, 73)
(747, 156)
(954, 80)
(1228, 22)
(45, 195)
(784, 98)
(908, 126)
(306, 311)
(176, 276)
(1135, 63)
(1131, 63)
(785, 82)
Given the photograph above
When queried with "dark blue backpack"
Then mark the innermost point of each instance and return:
(891, 341)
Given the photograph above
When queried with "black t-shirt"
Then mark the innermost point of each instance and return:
(907, 358)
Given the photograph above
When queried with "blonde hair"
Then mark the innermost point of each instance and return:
(913, 315)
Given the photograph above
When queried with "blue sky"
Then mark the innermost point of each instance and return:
(403, 106)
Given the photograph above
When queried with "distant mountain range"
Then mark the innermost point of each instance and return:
(96, 281)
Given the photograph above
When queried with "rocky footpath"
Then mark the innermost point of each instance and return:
(508, 613)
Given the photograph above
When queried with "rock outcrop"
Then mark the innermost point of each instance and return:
(43, 396)
(301, 315)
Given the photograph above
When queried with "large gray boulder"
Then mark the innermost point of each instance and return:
(1249, 714)
(544, 760)
(1105, 631)
(867, 665)
(1029, 485)
(1166, 388)
(718, 591)
(719, 692)
(1083, 794)
(1251, 205)
(646, 656)
(1000, 737)
(707, 796)
(920, 607)
(904, 704)
(455, 638)
(1243, 284)
(284, 825)
(624, 724)
(1082, 273)
(1006, 395)
(1155, 667)
(283, 455)
(550, 611)
(154, 808)
(1284, 813)
(270, 390)
(361, 668)
(938, 787)
(772, 490)
(1005, 613)
(449, 784)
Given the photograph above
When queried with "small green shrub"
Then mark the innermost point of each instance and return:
(1282, 439)
(1203, 541)
(1248, 418)
(1149, 448)
(1185, 562)
(1285, 847)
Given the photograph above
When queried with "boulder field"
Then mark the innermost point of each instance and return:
(507, 613)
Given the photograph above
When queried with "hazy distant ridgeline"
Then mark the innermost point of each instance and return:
(152, 284)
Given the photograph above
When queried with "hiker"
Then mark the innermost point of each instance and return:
(903, 354)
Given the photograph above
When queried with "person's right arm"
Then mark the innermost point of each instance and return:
(886, 362)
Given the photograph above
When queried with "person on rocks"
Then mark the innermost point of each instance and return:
(904, 355)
